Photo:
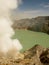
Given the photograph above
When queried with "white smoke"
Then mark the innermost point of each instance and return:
(6, 31)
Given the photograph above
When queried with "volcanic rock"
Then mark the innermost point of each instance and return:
(37, 55)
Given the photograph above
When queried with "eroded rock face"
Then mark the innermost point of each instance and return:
(44, 57)
(37, 55)
(36, 50)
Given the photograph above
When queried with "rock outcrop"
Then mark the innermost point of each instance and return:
(37, 55)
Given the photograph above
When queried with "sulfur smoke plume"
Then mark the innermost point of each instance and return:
(6, 31)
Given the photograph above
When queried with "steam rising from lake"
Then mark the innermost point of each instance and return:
(6, 31)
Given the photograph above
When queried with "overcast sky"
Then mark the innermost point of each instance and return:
(32, 8)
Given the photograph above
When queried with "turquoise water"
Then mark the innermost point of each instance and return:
(30, 38)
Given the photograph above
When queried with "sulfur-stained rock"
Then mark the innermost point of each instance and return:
(37, 55)
(36, 50)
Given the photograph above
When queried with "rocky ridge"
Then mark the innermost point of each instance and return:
(37, 55)
(39, 24)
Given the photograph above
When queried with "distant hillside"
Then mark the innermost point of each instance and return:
(39, 24)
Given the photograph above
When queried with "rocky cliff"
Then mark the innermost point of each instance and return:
(39, 24)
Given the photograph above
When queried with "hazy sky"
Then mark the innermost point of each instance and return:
(32, 8)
